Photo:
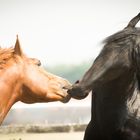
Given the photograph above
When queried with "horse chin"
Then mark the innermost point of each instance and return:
(66, 99)
(80, 97)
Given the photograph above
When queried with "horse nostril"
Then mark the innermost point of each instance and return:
(77, 82)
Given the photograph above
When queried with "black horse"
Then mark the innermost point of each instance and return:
(114, 79)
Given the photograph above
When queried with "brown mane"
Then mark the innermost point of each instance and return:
(5, 55)
(21, 79)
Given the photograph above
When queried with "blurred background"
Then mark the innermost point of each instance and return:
(66, 35)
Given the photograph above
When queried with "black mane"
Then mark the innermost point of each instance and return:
(129, 30)
(122, 35)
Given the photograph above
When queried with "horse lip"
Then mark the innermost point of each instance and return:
(66, 99)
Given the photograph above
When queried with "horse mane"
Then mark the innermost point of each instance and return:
(129, 30)
(5, 55)
(131, 128)
(125, 37)
(126, 33)
(129, 131)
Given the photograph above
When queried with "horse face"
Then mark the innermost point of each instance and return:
(37, 84)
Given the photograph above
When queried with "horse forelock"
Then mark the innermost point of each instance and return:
(122, 35)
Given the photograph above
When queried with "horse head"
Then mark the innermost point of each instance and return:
(22, 79)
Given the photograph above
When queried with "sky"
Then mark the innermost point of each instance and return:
(63, 31)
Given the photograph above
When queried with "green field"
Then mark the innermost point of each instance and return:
(43, 136)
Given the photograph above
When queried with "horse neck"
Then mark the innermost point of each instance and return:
(10, 86)
(110, 112)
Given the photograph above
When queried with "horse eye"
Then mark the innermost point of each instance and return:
(35, 61)
(39, 63)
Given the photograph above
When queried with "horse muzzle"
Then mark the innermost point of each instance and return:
(77, 92)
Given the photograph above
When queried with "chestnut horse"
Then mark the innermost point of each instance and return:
(21, 79)
(114, 79)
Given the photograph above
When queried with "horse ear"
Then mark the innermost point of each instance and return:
(133, 21)
(17, 48)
